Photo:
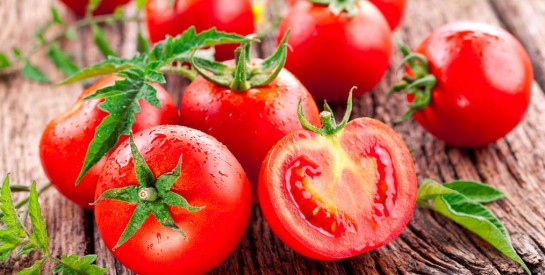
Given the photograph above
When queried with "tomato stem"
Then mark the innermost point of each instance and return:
(338, 6)
(329, 126)
(148, 194)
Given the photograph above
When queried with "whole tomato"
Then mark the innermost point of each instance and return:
(65, 140)
(334, 52)
(226, 15)
(182, 197)
(392, 10)
(248, 120)
(79, 7)
(470, 83)
(339, 191)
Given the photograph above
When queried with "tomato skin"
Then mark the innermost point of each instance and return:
(226, 15)
(250, 122)
(342, 151)
(484, 82)
(359, 56)
(211, 177)
(105, 7)
(392, 10)
(64, 142)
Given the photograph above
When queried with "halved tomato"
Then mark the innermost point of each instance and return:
(333, 196)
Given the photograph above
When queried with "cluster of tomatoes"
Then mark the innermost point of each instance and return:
(328, 190)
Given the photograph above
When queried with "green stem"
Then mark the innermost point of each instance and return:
(240, 83)
(183, 71)
(148, 194)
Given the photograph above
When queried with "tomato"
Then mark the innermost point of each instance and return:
(248, 122)
(64, 142)
(234, 16)
(483, 83)
(392, 10)
(105, 7)
(331, 53)
(336, 195)
(210, 179)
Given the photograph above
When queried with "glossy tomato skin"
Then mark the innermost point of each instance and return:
(105, 7)
(65, 140)
(358, 191)
(331, 54)
(226, 15)
(250, 122)
(211, 178)
(484, 81)
(392, 10)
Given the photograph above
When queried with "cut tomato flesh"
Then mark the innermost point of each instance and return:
(386, 186)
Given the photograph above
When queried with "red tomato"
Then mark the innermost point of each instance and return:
(484, 82)
(105, 7)
(337, 196)
(65, 140)
(211, 178)
(248, 122)
(331, 53)
(226, 15)
(393, 10)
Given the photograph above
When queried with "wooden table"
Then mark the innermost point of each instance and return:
(430, 244)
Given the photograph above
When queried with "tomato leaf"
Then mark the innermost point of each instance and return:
(56, 16)
(33, 73)
(111, 65)
(121, 104)
(127, 194)
(12, 232)
(165, 181)
(4, 61)
(39, 230)
(35, 269)
(101, 42)
(143, 43)
(163, 216)
(470, 214)
(61, 60)
(92, 5)
(73, 265)
(476, 191)
(140, 4)
(71, 33)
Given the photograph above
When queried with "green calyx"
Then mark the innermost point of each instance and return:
(243, 75)
(151, 196)
(338, 6)
(420, 84)
(329, 126)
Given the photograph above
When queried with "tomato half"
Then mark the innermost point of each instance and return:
(248, 122)
(211, 178)
(226, 15)
(105, 7)
(332, 53)
(65, 140)
(333, 197)
(484, 81)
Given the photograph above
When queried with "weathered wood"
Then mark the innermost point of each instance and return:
(431, 244)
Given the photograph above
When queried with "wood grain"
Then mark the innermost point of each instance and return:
(431, 244)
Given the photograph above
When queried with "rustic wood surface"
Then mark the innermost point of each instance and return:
(430, 244)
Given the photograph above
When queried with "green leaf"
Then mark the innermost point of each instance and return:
(33, 73)
(143, 43)
(174, 199)
(12, 232)
(121, 104)
(118, 13)
(61, 60)
(139, 216)
(109, 66)
(143, 172)
(56, 16)
(71, 33)
(72, 265)
(469, 214)
(127, 194)
(165, 181)
(39, 230)
(101, 42)
(476, 191)
(35, 269)
(140, 4)
(29, 247)
(17, 52)
(92, 5)
(4, 61)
